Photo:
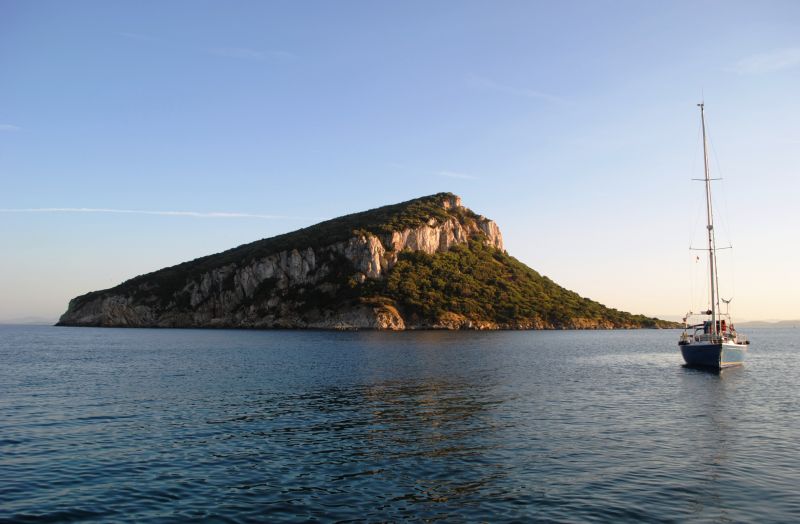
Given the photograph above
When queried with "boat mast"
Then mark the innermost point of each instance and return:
(712, 255)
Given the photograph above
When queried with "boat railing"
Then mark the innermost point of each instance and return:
(707, 337)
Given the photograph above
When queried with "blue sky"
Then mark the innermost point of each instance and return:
(572, 124)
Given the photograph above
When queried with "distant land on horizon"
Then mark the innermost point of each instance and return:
(27, 321)
(768, 324)
(428, 263)
(742, 323)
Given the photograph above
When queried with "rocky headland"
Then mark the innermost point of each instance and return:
(429, 263)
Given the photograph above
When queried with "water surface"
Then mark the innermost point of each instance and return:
(235, 426)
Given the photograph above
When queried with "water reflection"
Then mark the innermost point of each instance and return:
(424, 438)
(709, 398)
(729, 371)
(426, 444)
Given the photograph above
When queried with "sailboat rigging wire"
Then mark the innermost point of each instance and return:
(691, 284)
(698, 211)
(726, 213)
(698, 294)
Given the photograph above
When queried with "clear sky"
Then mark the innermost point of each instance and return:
(572, 124)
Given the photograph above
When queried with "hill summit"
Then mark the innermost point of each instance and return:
(429, 263)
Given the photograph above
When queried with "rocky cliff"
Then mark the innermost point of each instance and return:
(358, 271)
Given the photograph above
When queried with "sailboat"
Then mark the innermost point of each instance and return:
(713, 343)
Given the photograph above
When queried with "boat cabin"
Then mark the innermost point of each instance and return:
(721, 326)
(703, 333)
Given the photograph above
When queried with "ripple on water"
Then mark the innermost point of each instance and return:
(239, 426)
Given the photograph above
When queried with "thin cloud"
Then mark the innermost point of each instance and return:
(9, 127)
(247, 53)
(195, 214)
(770, 62)
(489, 84)
(455, 174)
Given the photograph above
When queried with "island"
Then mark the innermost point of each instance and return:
(428, 263)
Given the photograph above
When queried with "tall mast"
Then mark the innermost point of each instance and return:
(712, 255)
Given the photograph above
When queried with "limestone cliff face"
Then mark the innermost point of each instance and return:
(270, 291)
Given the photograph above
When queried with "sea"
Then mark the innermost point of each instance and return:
(148, 425)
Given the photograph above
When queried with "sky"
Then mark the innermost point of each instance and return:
(137, 135)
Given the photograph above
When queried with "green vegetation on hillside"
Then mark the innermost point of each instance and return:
(483, 283)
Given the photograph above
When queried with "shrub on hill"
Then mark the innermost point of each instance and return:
(483, 283)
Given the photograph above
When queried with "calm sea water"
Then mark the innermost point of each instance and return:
(234, 426)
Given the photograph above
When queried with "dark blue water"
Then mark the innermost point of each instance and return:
(233, 426)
